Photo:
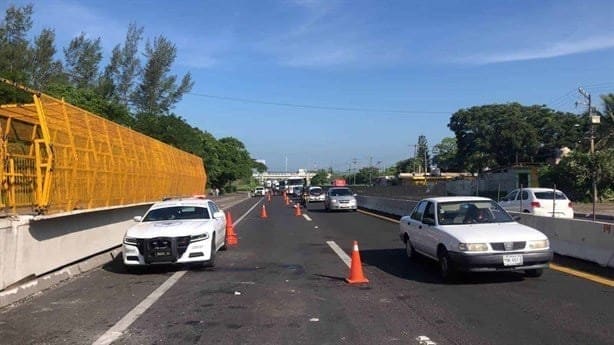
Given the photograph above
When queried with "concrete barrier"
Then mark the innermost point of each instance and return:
(391, 206)
(587, 240)
(33, 246)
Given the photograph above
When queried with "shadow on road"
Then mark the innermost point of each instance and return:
(117, 266)
(424, 270)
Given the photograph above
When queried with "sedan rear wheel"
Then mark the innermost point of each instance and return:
(409, 249)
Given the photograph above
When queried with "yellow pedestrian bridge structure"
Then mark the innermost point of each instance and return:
(56, 157)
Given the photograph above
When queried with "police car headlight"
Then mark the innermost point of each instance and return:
(131, 241)
(199, 237)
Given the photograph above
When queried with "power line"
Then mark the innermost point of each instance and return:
(310, 106)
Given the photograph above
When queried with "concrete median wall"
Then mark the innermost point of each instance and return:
(391, 206)
(587, 240)
(591, 241)
(31, 247)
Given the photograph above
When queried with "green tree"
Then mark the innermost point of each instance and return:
(499, 135)
(83, 56)
(366, 175)
(320, 178)
(422, 157)
(120, 74)
(404, 166)
(445, 157)
(259, 166)
(91, 101)
(212, 158)
(43, 68)
(158, 91)
(170, 129)
(605, 129)
(15, 52)
(235, 161)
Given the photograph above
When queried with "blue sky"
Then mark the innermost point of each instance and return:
(321, 83)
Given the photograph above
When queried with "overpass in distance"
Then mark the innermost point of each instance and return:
(278, 175)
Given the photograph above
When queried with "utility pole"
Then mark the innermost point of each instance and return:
(370, 169)
(426, 162)
(593, 121)
(414, 156)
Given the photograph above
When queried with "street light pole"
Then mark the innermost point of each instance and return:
(370, 169)
(592, 124)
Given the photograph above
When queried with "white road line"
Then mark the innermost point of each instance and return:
(246, 213)
(117, 330)
(307, 217)
(342, 255)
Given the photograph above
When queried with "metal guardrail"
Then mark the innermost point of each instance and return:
(56, 157)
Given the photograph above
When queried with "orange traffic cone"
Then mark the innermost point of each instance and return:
(287, 200)
(356, 275)
(297, 210)
(269, 196)
(263, 212)
(231, 236)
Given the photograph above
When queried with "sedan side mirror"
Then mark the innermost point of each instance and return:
(137, 218)
(218, 215)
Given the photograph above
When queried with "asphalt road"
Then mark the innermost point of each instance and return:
(283, 284)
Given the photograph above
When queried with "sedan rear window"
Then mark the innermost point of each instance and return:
(340, 192)
(315, 191)
(177, 213)
(550, 195)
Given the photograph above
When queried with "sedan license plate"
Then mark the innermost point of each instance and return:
(162, 253)
(512, 260)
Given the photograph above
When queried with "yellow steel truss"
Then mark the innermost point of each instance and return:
(55, 157)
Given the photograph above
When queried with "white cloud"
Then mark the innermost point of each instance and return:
(326, 34)
(546, 52)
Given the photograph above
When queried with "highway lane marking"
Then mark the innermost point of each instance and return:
(118, 329)
(379, 216)
(246, 213)
(570, 271)
(307, 217)
(580, 274)
(342, 255)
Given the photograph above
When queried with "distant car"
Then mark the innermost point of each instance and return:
(538, 201)
(259, 191)
(340, 198)
(297, 192)
(315, 194)
(176, 231)
(473, 234)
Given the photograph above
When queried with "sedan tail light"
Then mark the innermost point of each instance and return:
(570, 204)
(535, 204)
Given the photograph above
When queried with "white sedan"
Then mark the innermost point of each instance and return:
(473, 234)
(181, 231)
